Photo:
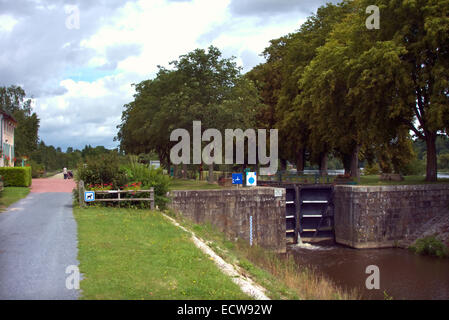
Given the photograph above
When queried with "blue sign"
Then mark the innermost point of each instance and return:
(237, 178)
(89, 196)
(251, 179)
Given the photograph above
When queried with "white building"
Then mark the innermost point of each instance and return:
(8, 124)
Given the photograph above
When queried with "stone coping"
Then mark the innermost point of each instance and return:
(246, 189)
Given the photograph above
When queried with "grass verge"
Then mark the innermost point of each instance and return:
(137, 254)
(375, 181)
(9, 195)
(280, 275)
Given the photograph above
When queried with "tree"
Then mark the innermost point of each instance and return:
(415, 33)
(364, 86)
(202, 86)
(13, 101)
(277, 81)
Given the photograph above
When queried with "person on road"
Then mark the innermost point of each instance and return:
(65, 173)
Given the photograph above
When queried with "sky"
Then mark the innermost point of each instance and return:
(78, 60)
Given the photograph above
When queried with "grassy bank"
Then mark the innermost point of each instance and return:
(138, 254)
(408, 180)
(9, 195)
(280, 275)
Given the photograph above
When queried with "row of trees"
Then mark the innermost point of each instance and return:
(331, 88)
(336, 87)
(49, 158)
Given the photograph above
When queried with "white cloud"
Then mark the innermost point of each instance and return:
(83, 77)
(7, 23)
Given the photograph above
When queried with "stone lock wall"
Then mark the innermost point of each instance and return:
(230, 210)
(385, 216)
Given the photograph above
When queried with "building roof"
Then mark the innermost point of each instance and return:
(8, 115)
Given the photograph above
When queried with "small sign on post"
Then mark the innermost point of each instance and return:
(251, 179)
(89, 196)
(237, 178)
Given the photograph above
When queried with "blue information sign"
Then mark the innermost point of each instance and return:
(89, 196)
(237, 178)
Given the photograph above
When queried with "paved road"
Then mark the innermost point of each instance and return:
(38, 241)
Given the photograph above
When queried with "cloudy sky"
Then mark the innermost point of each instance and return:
(80, 72)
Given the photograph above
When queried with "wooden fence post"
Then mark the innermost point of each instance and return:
(152, 199)
(81, 193)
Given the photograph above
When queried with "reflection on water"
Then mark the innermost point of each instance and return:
(403, 275)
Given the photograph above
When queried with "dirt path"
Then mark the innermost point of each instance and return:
(53, 184)
(57, 176)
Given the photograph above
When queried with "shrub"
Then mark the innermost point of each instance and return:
(415, 167)
(150, 178)
(37, 170)
(430, 246)
(101, 170)
(371, 169)
(16, 176)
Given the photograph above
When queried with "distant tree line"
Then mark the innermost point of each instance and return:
(27, 144)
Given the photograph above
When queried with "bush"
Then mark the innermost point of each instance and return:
(104, 169)
(37, 170)
(150, 178)
(430, 246)
(415, 167)
(371, 170)
(16, 176)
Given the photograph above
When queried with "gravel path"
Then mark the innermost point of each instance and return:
(38, 241)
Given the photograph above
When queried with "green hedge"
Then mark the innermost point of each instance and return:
(16, 177)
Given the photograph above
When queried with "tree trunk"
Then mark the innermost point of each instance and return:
(211, 173)
(300, 160)
(184, 171)
(431, 168)
(355, 172)
(323, 164)
(283, 163)
(346, 159)
(175, 171)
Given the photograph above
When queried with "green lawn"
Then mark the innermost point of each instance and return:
(9, 195)
(180, 184)
(137, 254)
(374, 181)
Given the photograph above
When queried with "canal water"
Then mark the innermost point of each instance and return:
(403, 274)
